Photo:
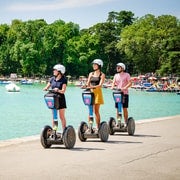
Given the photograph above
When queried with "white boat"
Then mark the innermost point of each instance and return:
(12, 87)
(27, 81)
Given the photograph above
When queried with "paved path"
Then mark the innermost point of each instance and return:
(152, 153)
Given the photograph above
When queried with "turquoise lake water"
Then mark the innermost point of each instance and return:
(25, 113)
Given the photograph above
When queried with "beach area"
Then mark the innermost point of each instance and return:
(152, 153)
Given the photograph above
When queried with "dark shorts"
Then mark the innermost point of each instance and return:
(125, 101)
(62, 101)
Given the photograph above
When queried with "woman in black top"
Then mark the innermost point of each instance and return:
(95, 82)
(58, 83)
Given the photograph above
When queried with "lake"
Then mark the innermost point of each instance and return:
(25, 113)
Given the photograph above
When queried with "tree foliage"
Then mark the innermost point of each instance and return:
(146, 44)
(152, 44)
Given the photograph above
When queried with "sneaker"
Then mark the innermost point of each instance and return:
(95, 130)
(118, 123)
(55, 128)
(58, 135)
(88, 131)
(125, 126)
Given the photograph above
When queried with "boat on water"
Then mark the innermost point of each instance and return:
(12, 87)
(26, 82)
(5, 82)
(78, 83)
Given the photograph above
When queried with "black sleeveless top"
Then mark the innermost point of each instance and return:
(95, 80)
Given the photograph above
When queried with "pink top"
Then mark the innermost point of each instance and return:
(121, 80)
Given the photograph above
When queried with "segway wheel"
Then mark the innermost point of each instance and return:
(131, 126)
(103, 132)
(45, 133)
(69, 137)
(111, 124)
(81, 130)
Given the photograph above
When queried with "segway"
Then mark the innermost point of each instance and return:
(85, 130)
(117, 125)
(50, 136)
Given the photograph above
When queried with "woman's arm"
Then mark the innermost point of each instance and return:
(87, 85)
(113, 83)
(47, 86)
(63, 90)
(89, 79)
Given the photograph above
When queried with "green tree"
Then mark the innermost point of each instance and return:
(3, 48)
(55, 41)
(108, 35)
(27, 51)
(144, 41)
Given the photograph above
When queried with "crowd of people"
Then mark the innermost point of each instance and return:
(164, 84)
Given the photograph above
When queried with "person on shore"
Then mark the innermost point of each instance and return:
(58, 83)
(94, 82)
(122, 80)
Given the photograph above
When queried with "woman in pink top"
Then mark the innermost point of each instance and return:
(122, 80)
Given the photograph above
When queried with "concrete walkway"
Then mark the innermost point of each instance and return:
(152, 153)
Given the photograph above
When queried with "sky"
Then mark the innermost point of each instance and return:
(86, 13)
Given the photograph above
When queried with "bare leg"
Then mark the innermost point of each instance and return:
(97, 114)
(117, 114)
(125, 111)
(62, 117)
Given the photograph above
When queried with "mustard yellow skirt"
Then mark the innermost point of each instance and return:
(98, 96)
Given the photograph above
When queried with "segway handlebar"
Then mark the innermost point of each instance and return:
(51, 91)
(87, 88)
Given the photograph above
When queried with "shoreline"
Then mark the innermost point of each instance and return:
(9, 142)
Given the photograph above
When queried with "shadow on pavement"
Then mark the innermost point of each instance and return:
(136, 135)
